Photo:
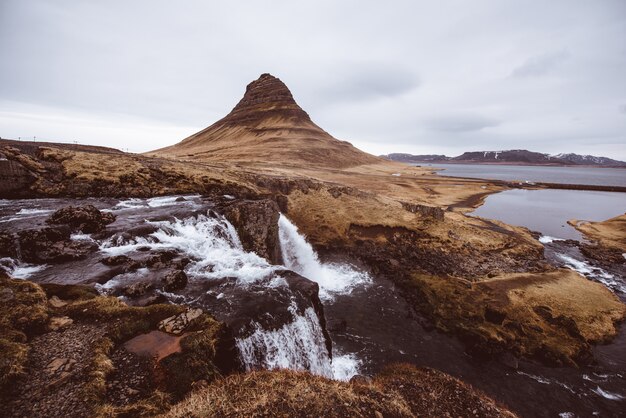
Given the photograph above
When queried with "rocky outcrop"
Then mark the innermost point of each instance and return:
(86, 219)
(554, 317)
(52, 245)
(174, 280)
(256, 223)
(427, 211)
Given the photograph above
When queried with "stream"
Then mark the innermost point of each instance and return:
(276, 325)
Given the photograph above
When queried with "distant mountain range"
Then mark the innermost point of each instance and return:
(522, 157)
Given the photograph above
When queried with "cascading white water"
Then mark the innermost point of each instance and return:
(211, 243)
(298, 345)
(18, 270)
(299, 256)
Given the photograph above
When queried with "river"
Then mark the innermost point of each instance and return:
(369, 322)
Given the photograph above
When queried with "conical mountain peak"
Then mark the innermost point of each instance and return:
(265, 97)
(268, 126)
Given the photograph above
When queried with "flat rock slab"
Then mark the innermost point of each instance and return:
(176, 324)
(155, 344)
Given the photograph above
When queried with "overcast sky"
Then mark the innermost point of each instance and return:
(394, 76)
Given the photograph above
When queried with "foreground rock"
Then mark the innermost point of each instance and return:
(399, 391)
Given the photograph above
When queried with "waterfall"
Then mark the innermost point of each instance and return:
(216, 252)
(298, 345)
(299, 256)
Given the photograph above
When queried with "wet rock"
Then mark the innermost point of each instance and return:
(52, 245)
(178, 323)
(337, 325)
(87, 219)
(161, 258)
(256, 222)
(175, 280)
(7, 245)
(138, 289)
(142, 230)
(116, 260)
(509, 360)
(267, 304)
(283, 203)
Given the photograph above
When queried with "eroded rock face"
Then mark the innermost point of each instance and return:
(86, 219)
(256, 223)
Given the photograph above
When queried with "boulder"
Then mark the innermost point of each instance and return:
(174, 280)
(87, 219)
(138, 289)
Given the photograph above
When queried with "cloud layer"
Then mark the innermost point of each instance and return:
(403, 76)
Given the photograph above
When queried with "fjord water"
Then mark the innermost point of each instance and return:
(545, 174)
(370, 323)
(547, 211)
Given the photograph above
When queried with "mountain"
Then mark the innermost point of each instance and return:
(523, 157)
(268, 126)
(589, 160)
(511, 156)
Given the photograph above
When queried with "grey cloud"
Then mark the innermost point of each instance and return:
(409, 76)
(365, 82)
(461, 123)
(540, 64)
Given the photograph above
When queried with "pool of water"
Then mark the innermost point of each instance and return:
(547, 211)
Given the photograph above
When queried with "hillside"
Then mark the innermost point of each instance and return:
(268, 126)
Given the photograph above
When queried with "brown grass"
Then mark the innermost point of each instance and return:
(610, 233)
(553, 315)
(23, 312)
(401, 391)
